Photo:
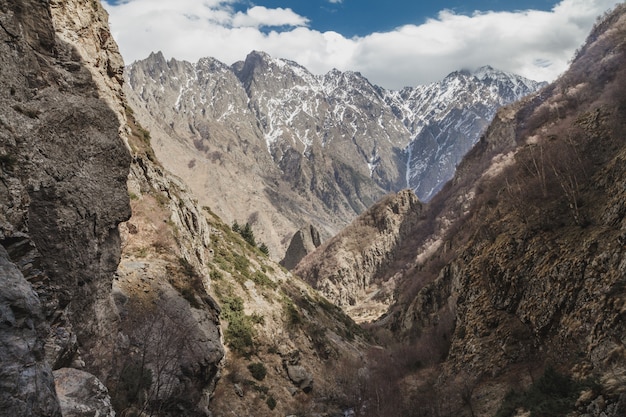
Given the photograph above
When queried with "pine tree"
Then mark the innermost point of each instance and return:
(248, 234)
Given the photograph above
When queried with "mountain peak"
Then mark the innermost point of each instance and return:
(155, 64)
(489, 73)
(211, 64)
(486, 69)
(261, 63)
(156, 57)
(258, 56)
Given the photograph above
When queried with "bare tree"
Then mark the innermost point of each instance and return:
(160, 340)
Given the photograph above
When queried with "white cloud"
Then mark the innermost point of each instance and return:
(535, 44)
(259, 16)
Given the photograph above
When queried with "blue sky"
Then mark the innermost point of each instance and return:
(394, 43)
(362, 17)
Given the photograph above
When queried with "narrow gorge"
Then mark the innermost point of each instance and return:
(144, 209)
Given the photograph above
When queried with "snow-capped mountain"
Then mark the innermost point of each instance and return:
(317, 148)
(340, 112)
(446, 119)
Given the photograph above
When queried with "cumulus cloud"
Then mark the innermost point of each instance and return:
(535, 44)
(259, 16)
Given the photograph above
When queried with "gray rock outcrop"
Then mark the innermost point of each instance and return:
(300, 377)
(297, 373)
(26, 381)
(82, 394)
(303, 242)
(63, 192)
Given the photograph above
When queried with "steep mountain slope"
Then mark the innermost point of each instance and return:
(188, 283)
(284, 340)
(446, 119)
(316, 149)
(107, 313)
(514, 276)
(541, 273)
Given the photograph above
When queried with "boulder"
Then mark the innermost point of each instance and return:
(81, 394)
(300, 377)
(25, 376)
(303, 242)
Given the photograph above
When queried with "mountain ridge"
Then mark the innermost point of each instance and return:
(333, 144)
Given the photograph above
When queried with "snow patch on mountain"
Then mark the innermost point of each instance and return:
(417, 134)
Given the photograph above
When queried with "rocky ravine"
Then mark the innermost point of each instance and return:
(526, 267)
(352, 268)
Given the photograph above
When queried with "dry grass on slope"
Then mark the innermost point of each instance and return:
(274, 323)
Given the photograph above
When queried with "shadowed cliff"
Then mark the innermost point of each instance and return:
(63, 167)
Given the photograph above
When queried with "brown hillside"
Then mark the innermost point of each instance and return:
(531, 266)
(513, 276)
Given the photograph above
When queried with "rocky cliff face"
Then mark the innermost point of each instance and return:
(64, 169)
(83, 332)
(27, 382)
(352, 268)
(317, 149)
(514, 273)
(169, 351)
(530, 274)
(557, 238)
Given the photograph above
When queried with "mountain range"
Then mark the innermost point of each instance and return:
(267, 142)
(122, 294)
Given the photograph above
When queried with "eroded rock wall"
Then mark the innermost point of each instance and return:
(353, 268)
(63, 177)
(26, 382)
